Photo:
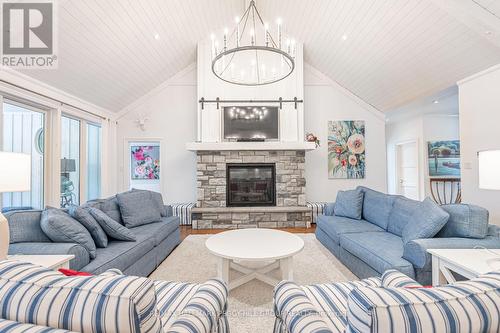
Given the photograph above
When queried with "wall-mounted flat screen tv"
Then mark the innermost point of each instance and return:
(251, 123)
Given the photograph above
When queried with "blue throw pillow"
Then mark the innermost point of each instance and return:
(62, 228)
(112, 228)
(467, 221)
(349, 204)
(87, 220)
(138, 208)
(425, 222)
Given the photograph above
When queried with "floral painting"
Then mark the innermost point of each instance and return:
(444, 158)
(145, 162)
(346, 149)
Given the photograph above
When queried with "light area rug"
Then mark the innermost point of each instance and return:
(250, 305)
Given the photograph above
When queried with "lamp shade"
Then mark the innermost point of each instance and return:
(15, 172)
(489, 169)
(68, 165)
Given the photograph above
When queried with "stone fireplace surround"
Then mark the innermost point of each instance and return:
(290, 209)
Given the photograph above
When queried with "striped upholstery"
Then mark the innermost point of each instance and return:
(470, 306)
(394, 278)
(317, 208)
(183, 211)
(15, 327)
(108, 303)
(314, 308)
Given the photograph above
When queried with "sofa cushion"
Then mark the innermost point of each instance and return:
(334, 226)
(158, 198)
(83, 216)
(138, 208)
(401, 212)
(109, 206)
(349, 204)
(425, 222)
(377, 207)
(467, 221)
(121, 254)
(158, 230)
(379, 250)
(112, 228)
(25, 226)
(62, 228)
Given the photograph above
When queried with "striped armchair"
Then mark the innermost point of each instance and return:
(35, 299)
(392, 303)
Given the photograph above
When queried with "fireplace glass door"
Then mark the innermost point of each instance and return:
(251, 185)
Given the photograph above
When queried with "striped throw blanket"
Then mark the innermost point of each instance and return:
(183, 211)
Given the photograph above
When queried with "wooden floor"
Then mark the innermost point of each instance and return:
(186, 230)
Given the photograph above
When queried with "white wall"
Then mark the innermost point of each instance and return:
(479, 101)
(171, 113)
(324, 101)
(422, 129)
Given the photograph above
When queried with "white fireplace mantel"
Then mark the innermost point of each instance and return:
(214, 146)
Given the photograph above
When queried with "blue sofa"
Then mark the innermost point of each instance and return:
(373, 244)
(154, 242)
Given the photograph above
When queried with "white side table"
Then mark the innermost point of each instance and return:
(469, 263)
(237, 248)
(53, 262)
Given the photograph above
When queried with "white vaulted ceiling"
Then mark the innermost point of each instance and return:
(395, 51)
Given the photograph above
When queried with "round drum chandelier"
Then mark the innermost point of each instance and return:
(250, 56)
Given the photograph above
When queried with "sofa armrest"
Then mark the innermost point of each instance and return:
(415, 251)
(81, 259)
(14, 326)
(169, 211)
(329, 209)
(396, 279)
(294, 311)
(205, 311)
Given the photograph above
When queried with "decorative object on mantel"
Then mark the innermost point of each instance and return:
(312, 138)
(444, 158)
(250, 56)
(446, 191)
(145, 162)
(346, 149)
(15, 176)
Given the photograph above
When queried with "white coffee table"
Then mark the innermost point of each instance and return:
(469, 263)
(235, 248)
(50, 261)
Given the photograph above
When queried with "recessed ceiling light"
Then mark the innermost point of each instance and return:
(157, 36)
(435, 101)
(344, 37)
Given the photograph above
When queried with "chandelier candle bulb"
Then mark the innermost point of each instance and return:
(266, 34)
(237, 20)
(278, 22)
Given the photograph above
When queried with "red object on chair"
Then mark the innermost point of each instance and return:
(419, 287)
(71, 272)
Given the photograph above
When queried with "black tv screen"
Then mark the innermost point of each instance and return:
(251, 122)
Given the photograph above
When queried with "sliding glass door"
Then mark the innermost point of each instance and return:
(23, 132)
(70, 161)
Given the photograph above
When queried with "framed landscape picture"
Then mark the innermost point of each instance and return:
(346, 149)
(145, 162)
(444, 158)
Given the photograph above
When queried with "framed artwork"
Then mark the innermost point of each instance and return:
(144, 161)
(444, 158)
(346, 149)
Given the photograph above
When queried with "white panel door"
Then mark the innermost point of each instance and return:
(407, 170)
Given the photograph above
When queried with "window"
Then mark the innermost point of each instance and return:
(70, 161)
(93, 161)
(23, 132)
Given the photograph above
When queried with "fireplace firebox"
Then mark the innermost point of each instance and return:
(250, 184)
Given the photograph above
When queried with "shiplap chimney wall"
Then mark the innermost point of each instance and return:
(210, 87)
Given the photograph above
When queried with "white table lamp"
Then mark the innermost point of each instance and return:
(489, 169)
(15, 176)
